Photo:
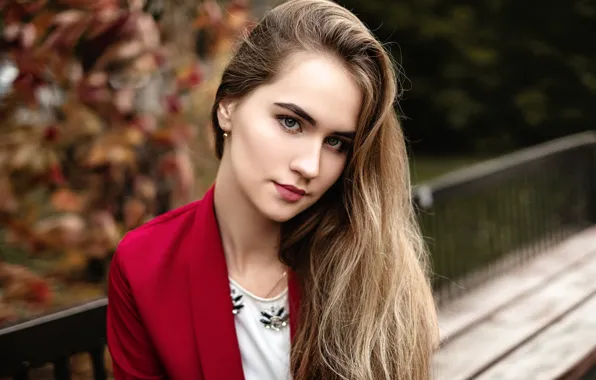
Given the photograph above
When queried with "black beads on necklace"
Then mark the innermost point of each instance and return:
(273, 318)
(237, 302)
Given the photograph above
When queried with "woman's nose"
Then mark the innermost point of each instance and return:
(308, 160)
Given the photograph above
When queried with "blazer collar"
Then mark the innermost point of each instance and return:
(214, 328)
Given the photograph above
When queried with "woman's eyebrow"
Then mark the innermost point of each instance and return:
(349, 135)
(303, 114)
(298, 111)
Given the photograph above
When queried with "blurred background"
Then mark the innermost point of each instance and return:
(483, 78)
(104, 124)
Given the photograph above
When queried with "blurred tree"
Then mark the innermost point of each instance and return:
(489, 76)
(95, 132)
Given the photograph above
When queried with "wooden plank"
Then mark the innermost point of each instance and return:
(584, 370)
(553, 352)
(455, 317)
(468, 354)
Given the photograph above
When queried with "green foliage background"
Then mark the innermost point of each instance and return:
(489, 76)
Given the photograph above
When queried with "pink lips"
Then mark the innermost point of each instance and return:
(290, 193)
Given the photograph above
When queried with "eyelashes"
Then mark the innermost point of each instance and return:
(289, 123)
(294, 126)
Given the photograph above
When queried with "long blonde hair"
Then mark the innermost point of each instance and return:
(367, 311)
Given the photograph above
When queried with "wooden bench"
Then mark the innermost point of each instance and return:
(537, 321)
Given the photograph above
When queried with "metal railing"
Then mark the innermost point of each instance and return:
(489, 217)
(486, 217)
(54, 338)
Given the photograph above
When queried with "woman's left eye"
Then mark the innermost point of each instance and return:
(335, 143)
(289, 123)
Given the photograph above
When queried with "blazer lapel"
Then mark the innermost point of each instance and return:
(214, 327)
(294, 300)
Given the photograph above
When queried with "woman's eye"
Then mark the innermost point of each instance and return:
(289, 123)
(335, 143)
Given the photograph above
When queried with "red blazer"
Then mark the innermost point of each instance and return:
(169, 306)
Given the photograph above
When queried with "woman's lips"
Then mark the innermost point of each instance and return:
(289, 193)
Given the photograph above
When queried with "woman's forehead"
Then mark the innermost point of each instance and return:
(321, 86)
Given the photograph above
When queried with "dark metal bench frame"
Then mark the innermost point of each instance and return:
(53, 338)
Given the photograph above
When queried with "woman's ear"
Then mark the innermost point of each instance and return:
(225, 109)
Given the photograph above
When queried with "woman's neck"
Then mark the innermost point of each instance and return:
(250, 240)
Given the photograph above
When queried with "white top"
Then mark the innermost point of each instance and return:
(265, 352)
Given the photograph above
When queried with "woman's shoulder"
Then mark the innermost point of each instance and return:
(159, 239)
(166, 222)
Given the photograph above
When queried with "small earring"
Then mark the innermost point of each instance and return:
(225, 134)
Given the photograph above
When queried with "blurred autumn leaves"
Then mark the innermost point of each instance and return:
(103, 119)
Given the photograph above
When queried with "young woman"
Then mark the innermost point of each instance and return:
(304, 260)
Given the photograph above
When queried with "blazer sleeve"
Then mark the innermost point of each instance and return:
(133, 355)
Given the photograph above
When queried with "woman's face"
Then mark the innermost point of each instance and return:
(288, 140)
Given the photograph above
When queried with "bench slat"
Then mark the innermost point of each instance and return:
(457, 316)
(481, 346)
(549, 355)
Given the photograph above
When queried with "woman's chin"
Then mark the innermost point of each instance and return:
(280, 217)
(280, 213)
